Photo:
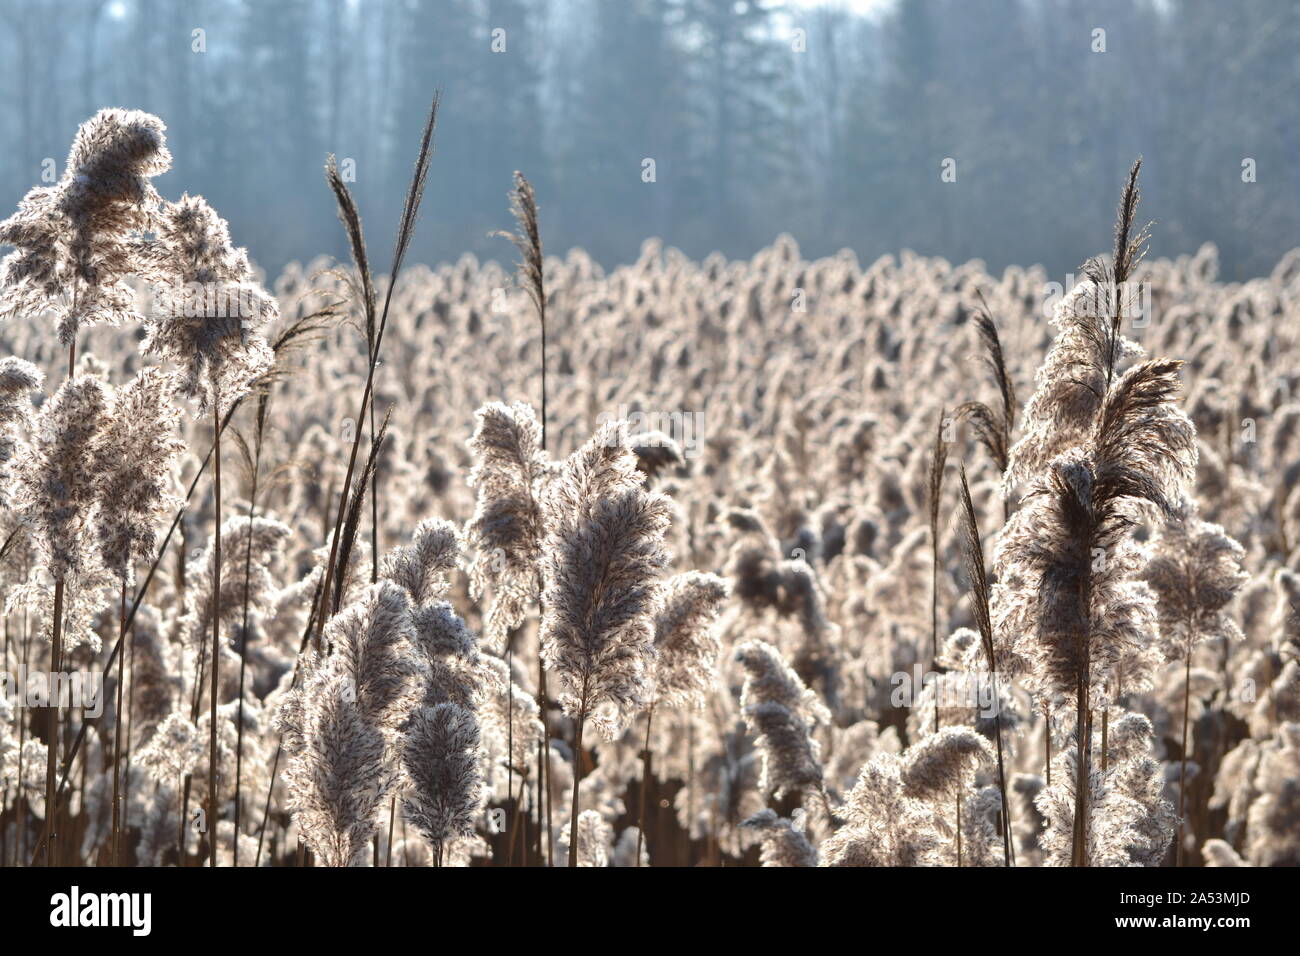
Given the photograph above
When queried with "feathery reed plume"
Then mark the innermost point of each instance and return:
(593, 838)
(208, 315)
(769, 679)
(1071, 385)
(783, 843)
(338, 780)
(351, 219)
(1195, 570)
(173, 750)
(56, 479)
(204, 604)
(506, 531)
(602, 557)
(685, 645)
(1129, 250)
(1145, 447)
(341, 726)
(441, 754)
(686, 653)
(420, 567)
(1081, 366)
(528, 240)
(1221, 853)
(54, 497)
(656, 452)
(791, 757)
(993, 429)
(685, 658)
(982, 828)
(937, 768)
(973, 551)
(1273, 821)
(154, 687)
(781, 712)
(370, 640)
(440, 759)
(133, 458)
(18, 379)
(763, 581)
(884, 825)
(77, 241)
(1128, 824)
(1074, 605)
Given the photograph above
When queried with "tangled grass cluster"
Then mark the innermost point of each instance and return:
(686, 563)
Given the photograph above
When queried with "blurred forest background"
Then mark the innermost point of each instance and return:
(827, 122)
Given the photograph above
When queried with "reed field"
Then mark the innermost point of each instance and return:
(681, 563)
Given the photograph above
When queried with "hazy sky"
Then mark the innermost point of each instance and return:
(117, 8)
(860, 6)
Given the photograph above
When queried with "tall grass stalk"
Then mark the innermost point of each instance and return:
(116, 838)
(405, 233)
(980, 607)
(52, 729)
(244, 635)
(527, 238)
(646, 766)
(213, 769)
(581, 721)
(938, 458)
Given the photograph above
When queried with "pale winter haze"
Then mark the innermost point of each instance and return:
(830, 122)
(425, 517)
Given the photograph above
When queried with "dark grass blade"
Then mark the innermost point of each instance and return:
(405, 232)
(1110, 278)
(938, 458)
(973, 558)
(352, 522)
(351, 220)
(993, 430)
(528, 240)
